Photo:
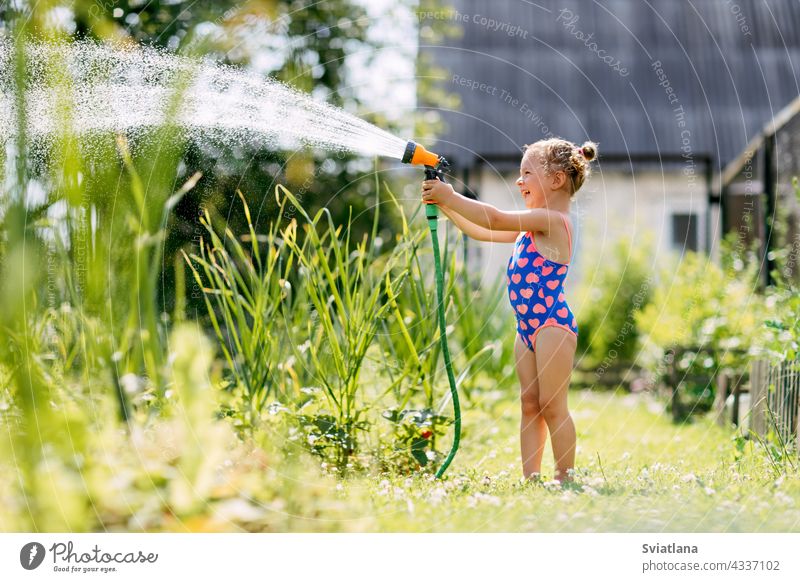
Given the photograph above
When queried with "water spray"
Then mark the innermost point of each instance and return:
(435, 167)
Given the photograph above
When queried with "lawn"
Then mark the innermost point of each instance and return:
(655, 477)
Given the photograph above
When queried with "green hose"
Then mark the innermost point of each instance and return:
(432, 212)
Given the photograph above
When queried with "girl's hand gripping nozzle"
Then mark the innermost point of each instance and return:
(435, 167)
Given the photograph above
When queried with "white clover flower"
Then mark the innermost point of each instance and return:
(436, 495)
(689, 477)
(131, 383)
(596, 482)
(478, 497)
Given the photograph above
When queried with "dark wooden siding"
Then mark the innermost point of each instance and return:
(728, 82)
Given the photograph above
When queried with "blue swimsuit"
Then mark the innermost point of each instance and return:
(536, 289)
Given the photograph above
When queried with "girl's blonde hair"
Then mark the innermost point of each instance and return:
(559, 154)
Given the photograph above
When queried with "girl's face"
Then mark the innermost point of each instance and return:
(533, 183)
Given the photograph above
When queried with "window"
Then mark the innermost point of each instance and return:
(684, 232)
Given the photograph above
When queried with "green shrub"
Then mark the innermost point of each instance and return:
(610, 298)
(700, 303)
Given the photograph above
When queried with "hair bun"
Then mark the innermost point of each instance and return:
(589, 150)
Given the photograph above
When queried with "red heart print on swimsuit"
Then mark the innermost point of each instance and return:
(526, 293)
(513, 295)
(552, 284)
(550, 320)
(562, 312)
(534, 323)
(516, 277)
(538, 261)
(547, 270)
(532, 278)
(560, 297)
(538, 308)
(523, 309)
(562, 270)
(522, 262)
(530, 248)
(541, 293)
(522, 326)
(549, 300)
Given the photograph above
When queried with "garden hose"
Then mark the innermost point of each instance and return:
(432, 213)
(434, 170)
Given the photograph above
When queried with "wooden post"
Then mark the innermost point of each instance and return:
(720, 398)
(795, 403)
(736, 390)
(673, 378)
(797, 426)
(758, 397)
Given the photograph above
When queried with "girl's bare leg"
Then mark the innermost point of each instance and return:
(532, 429)
(555, 354)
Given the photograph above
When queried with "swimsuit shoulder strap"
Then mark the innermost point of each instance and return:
(569, 236)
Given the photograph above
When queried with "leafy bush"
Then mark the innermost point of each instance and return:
(699, 303)
(781, 336)
(609, 301)
(713, 314)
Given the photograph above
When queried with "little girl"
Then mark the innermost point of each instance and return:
(551, 172)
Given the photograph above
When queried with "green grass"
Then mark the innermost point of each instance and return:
(655, 477)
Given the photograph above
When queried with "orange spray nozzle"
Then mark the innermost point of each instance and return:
(419, 156)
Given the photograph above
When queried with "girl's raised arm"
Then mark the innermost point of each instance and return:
(478, 232)
(494, 219)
